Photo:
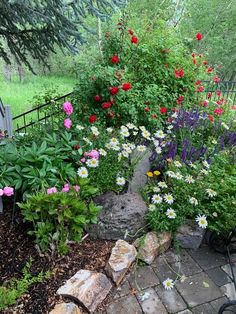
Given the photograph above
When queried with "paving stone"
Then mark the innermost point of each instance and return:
(122, 256)
(185, 312)
(207, 258)
(203, 309)
(186, 266)
(171, 299)
(226, 268)
(195, 292)
(216, 304)
(150, 302)
(190, 236)
(143, 277)
(124, 305)
(229, 291)
(162, 269)
(66, 308)
(87, 287)
(219, 277)
(123, 289)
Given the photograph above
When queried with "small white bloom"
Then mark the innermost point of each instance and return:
(141, 148)
(82, 172)
(108, 145)
(125, 154)
(79, 127)
(192, 165)
(174, 115)
(178, 176)
(120, 181)
(170, 127)
(124, 132)
(156, 143)
(202, 221)
(146, 134)
(189, 179)
(114, 141)
(225, 125)
(177, 164)
(156, 189)
(170, 213)
(193, 201)
(115, 147)
(102, 152)
(92, 163)
(168, 198)
(109, 130)
(135, 133)
(162, 184)
(87, 141)
(211, 193)
(170, 174)
(204, 171)
(168, 284)
(159, 134)
(142, 128)
(158, 150)
(132, 146)
(151, 207)
(214, 142)
(94, 130)
(205, 164)
(119, 157)
(131, 126)
(156, 199)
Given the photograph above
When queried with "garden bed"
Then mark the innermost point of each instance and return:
(16, 250)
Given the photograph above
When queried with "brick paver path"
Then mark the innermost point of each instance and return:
(202, 289)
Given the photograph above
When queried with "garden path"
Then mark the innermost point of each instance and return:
(202, 289)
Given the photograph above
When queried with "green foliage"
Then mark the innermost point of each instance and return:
(12, 290)
(59, 217)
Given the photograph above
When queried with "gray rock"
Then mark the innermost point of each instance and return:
(190, 235)
(66, 308)
(139, 179)
(121, 216)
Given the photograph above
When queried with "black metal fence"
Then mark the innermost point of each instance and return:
(44, 114)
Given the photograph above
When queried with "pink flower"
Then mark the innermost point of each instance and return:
(67, 123)
(216, 79)
(206, 102)
(76, 188)
(218, 111)
(66, 188)
(68, 108)
(8, 191)
(83, 159)
(52, 190)
(1, 192)
(94, 154)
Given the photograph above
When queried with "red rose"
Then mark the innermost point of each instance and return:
(179, 73)
(209, 70)
(163, 110)
(194, 61)
(180, 99)
(114, 90)
(93, 118)
(205, 62)
(193, 55)
(200, 89)
(218, 111)
(115, 59)
(209, 95)
(97, 98)
(199, 36)
(134, 40)
(126, 86)
(216, 79)
(218, 93)
(210, 117)
(106, 105)
(130, 32)
(198, 82)
(147, 109)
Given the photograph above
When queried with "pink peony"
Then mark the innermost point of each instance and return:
(93, 154)
(1, 192)
(76, 188)
(67, 123)
(66, 188)
(68, 108)
(52, 190)
(8, 191)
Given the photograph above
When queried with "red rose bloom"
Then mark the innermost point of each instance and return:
(209, 95)
(134, 40)
(97, 98)
(163, 110)
(130, 32)
(216, 79)
(147, 109)
(218, 111)
(180, 99)
(114, 90)
(93, 118)
(210, 117)
(199, 36)
(115, 59)
(209, 70)
(126, 86)
(194, 61)
(200, 89)
(205, 62)
(218, 93)
(198, 82)
(193, 55)
(179, 73)
(106, 105)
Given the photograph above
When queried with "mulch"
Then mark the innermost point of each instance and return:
(16, 249)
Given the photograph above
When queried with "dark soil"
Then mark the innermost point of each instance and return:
(16, 248)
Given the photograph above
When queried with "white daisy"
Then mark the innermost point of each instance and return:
(82, 172)
(135, 133)
(114, 141)
(156, 199)
(132, 146)
(205, 164)
(124, 132)
(170, 127)
(168, 284)
(158, 150)
(151, 207)
(115, 147)
(193, 201)
(141, 148)
(120, 181)
(159, 134)
(178, 176)
(168, 198)
(170, 213)
(125, 154)
(211, 193)
(146, 134)
(102, 152)
(174, 115)
(156, 143)
(92, 163)
(156, 189)
(202, 221)
(177, 164)
(170, 174)
(142, 128)
(162, 184)
(94, 130)
(87, 141)
(204, 171)
(79, 127)
(192, 165)
(131, 126)
(109, 130)
(108, 145)
(189, 179)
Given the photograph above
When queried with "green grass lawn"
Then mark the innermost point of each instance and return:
(20, 95)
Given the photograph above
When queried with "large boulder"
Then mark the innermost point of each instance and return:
(121, 217)
(190, 235)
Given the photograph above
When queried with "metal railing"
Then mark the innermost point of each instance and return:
(42, 113)
(227, 89)
(2, 108)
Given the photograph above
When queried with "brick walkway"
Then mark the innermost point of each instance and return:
(205, 288)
